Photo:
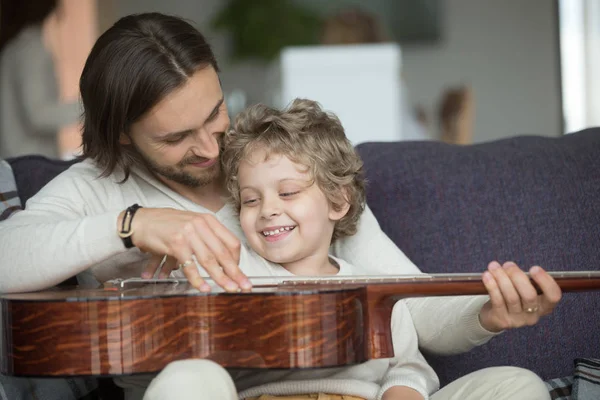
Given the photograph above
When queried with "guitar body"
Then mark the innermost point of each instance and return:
(100, 332)
(139, 326)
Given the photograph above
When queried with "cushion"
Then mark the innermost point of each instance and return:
(32, 172)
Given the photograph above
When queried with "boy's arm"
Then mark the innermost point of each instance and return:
(445, 325)
(409, 375)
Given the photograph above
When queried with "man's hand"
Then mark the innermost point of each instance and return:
(514, 301)
(401, 393)
(183, 236)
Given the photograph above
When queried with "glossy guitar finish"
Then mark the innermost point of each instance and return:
(140, 326)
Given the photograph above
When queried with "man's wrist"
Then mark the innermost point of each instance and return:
(125, 225)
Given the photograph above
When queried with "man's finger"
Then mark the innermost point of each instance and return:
(193, 275)
(168, 266)
(208, 261)
(152, 266)
(226, 254)
(229, 239)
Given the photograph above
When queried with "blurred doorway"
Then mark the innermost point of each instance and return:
(580, 57)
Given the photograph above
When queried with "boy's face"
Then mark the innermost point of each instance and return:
(285, 216)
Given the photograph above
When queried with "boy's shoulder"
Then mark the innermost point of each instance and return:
(252, 264)
(347, 268)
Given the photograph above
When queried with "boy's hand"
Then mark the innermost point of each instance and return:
(401, 393)
(514, 301)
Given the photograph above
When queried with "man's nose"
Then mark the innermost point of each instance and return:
(207, 144)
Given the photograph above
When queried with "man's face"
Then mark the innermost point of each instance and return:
(179, 139)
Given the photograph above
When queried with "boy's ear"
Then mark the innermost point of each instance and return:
(124, 139)
(339, 208)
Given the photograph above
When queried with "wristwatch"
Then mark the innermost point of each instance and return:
(126, 231)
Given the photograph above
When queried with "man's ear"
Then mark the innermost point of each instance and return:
(124, 139)
(340, 206)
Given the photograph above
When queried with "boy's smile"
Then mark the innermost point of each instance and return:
(276, 233)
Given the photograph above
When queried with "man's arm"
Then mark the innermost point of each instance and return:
(445, 325)
(54, 238)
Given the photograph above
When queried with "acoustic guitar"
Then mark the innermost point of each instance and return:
(138, 326)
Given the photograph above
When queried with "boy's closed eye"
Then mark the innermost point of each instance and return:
(250, 201)
(289, 194)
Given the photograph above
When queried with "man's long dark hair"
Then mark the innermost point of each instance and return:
(134, 65)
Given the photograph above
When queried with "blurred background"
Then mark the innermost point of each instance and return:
(461, 71)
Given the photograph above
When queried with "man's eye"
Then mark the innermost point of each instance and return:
(214, 116)
(174, 140)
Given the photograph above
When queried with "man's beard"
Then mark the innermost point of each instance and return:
(177, 173)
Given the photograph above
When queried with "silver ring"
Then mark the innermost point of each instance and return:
(531, 310)
(186, 264)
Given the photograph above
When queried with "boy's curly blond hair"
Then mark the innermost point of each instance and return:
(309, 136)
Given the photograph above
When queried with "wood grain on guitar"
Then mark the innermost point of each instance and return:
(139, 326)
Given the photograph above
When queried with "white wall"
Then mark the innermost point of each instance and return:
(506, 49)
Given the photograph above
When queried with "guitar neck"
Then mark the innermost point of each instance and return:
(410, 285)
(442, 284)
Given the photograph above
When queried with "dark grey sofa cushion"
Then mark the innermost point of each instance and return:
(532, 200)
(33, 172)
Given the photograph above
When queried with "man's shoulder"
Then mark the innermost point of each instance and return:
(83, 177)
(89, 171)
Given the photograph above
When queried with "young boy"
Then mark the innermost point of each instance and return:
(298, 185)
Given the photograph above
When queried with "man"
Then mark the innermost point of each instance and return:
(154, 116)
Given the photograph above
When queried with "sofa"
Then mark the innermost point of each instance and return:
(530, 199)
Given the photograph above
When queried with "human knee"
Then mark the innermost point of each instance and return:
(194, 369)
(182, 380)
(523, 383)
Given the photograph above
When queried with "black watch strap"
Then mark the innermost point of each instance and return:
(126, 232)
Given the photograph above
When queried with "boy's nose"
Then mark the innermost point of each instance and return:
(270, 209)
